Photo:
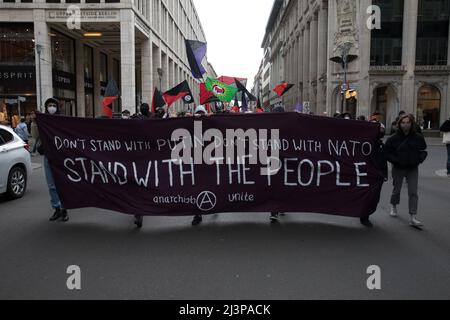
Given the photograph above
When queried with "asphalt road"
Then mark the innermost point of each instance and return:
(230, 256)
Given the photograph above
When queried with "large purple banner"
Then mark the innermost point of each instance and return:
(284, 162)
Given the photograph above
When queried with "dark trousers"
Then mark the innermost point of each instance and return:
(448, 158)
(412, 179)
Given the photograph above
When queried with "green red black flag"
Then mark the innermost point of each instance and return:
(206, 96)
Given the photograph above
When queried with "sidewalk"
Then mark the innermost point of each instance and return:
(435, 142)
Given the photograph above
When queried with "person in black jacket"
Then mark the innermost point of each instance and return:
(445, 128)
(406, 151)
(144, 115)
(52, 107)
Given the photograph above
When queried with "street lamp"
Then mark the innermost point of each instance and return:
(344, 59)
(39, 51)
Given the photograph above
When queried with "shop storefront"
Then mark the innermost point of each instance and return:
(17, 72)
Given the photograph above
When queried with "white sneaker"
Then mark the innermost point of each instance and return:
(415, 223)
(394, 212)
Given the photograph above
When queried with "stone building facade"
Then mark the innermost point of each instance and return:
(140, 44)
(402, 61)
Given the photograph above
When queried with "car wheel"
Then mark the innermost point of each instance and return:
(17, 183)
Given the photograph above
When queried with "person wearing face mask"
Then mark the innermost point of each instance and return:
(406, 150)
(126, 115)
(52, 107)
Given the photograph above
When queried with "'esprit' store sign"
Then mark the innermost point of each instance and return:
(10, 74)
(63, 80)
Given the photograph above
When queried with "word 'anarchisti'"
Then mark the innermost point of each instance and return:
(293, 172)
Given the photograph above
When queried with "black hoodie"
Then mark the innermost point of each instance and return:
(406, 151)
(446, 126)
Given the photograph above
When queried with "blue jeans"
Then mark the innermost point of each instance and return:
(54, 197)
(448, 158)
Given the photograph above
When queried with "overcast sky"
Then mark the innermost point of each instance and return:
(234, 31)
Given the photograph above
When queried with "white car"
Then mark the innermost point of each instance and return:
(15, 164)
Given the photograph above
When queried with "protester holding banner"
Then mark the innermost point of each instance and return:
(52, 107)
(144, 112)
(274, 216)
(199, 112)
(143, 115)
(406, 151)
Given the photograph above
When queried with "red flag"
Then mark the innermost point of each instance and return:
(181, 91)
(231, 81)
(283, 88)
(111, 95)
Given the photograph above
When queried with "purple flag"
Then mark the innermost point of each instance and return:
(299, 107)
(196, 51)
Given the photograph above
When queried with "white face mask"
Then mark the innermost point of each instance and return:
(52, 110)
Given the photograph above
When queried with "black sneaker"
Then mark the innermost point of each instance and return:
(366, 222)
(197, 220)
(274, 217)
(64, 215)
(56, 215)
(139, 220)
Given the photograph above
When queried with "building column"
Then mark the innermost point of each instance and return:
(147, 70)
(96, 83)
(156, 66)
(296, 79)
(330, 108)
(306, 52)
(300, 67)
(365, 41)
(408, 99)
(313, 62)
(44, 77)
(81, 101)
(165, 68)
(322, 55)
(284, 74)
(128, 60)
(448, 48)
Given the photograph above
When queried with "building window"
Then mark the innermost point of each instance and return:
(432, 32)
(16, 44)
(429, 107)
(386, 46)
(64, 80)
(17, 72)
